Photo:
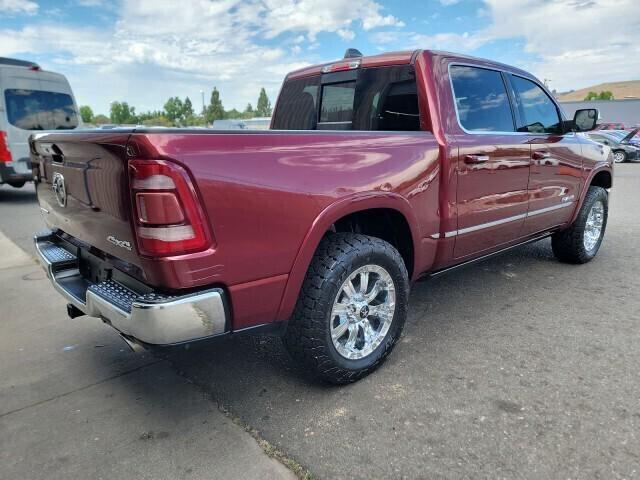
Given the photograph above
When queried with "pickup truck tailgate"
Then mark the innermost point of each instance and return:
(83, 188)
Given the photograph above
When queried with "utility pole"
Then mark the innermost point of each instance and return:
(202, 94)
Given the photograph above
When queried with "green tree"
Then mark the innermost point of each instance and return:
(248, 111)
(122, 113)
(233, 113)
(263, 107)
(215, 110)
(157, 121)
(86, 114)
(187, 109)
(154, 119)
(101, 119)
(173, 109)
(603, 95)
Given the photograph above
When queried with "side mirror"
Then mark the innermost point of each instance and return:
(585, 119)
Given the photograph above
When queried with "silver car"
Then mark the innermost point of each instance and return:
(620, 143)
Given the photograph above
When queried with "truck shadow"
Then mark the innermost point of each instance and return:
(244, 367)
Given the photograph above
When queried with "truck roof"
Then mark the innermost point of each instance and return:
(402, 57)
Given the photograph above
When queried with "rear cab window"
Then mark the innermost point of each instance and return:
(369, 99)
(40, 110)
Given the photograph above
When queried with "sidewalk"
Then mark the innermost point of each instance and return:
(75, 403)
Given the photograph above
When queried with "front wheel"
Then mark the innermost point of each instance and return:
(581, 242)
(619, 156)
(351, 309)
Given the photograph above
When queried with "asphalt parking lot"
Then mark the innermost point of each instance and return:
(516, 367)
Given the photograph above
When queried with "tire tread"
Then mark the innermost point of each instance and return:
(305, 334)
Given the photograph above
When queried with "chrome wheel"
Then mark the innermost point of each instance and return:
(362, 312)
(618, 157)
(593, 227)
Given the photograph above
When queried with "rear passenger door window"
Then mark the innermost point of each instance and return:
(482, 103)
(538, 113)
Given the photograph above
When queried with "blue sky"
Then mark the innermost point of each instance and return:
(145, 51)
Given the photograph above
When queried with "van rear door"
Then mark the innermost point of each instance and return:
(33, 101)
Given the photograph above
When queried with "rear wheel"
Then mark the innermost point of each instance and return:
(351, 309)
(581, 242)
(619, 156)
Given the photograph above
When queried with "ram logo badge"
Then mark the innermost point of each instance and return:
(59, 189)
(119, 243)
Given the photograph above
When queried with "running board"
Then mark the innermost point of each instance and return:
(484, 257)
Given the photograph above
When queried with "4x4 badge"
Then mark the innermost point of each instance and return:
(119, 243)
(59, 190)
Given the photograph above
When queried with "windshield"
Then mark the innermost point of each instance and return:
(40, 110)
(619, 135)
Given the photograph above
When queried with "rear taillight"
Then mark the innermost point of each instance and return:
(5, 153)
(167, 215)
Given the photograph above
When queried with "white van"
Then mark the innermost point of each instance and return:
(30, 100)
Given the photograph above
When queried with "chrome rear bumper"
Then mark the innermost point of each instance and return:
(150, 318)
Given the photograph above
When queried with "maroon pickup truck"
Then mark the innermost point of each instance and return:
(376, 171)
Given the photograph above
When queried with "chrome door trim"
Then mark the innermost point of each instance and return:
(495, 223)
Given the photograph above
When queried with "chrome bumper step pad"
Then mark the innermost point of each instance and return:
(151, 318)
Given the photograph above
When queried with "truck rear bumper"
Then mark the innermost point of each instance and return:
(149, 318)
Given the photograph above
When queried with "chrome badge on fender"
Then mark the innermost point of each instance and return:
(119, 243)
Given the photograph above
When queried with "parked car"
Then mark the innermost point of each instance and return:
(620, 143)
(611, 126)
(635, 138)
(30, 100)
(377, 171)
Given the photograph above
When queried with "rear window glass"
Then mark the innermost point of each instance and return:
(40, 110)
(337, 103)
(481, 99)
(382, 98)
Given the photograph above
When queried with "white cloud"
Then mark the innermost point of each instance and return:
(161, 48)
(18, 6)
(575, 43)
(447, 3)
(315, 16)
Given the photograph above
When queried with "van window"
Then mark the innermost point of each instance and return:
(537, 112)
(481, 99)
(381, 98)
(40, 110)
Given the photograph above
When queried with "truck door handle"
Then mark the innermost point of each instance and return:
(473, 158)
(540, 155)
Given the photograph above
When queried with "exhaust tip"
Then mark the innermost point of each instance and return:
(74, 311)
(134, 346)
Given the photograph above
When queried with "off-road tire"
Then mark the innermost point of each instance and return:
(308, 335)
(568, 245)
